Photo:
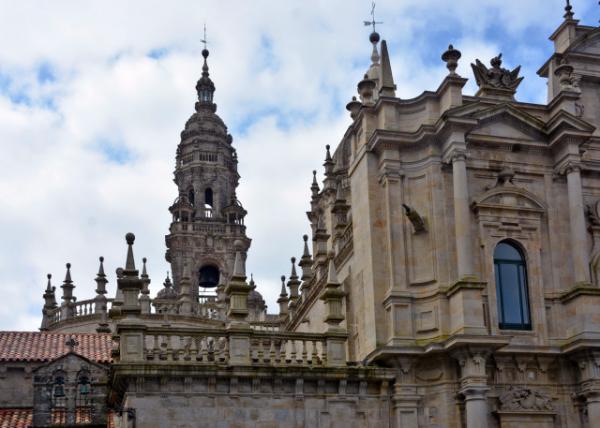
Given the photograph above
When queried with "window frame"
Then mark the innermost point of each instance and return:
(523, 288)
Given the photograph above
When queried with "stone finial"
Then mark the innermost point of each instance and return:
(328, 164)
(130, 284)
(451, 57)
(365, 90)
(145, 298)
(68, 286)
(49, 296)
(101, 280)
(283, 299)
(306, 264)
(145, 277)
(294, 285)
(568, 11)
(130, 262)
(314, 187)
(353, 107)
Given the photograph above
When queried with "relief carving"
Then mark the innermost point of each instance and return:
(517, 398)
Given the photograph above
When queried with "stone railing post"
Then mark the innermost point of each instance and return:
(336, 335)
(237, 291)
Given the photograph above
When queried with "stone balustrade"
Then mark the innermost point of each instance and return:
(139, 343)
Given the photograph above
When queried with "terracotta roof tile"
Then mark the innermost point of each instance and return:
(42, 346)
(16, 418)
(23, 418)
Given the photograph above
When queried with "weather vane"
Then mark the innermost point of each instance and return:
(204, 39)
(372, 22)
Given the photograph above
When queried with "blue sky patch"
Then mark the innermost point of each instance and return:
(115, 151)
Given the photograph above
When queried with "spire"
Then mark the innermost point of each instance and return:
(146, 279)
(130, 262)
(314, 187)
(49, 297)
(67, 286)
(569, 11)
(205, 87)
(328, 161)
(283, 299)
(283, 290)
(101, 278)
(387, 86)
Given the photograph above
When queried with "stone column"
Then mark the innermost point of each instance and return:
(462, 216)
(579, 242)
(473, 386)
(405, 398)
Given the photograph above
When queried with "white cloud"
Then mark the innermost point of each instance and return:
(283, 73)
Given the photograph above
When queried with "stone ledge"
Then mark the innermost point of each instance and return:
(579, 289)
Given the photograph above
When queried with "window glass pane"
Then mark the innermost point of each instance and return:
(506, 251)
(524, 297)
(499, 294)
(511, 299)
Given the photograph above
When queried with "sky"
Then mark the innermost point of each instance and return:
(94, 95)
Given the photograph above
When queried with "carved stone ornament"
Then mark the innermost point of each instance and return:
(593, 213)
(496, 77)
(516, 398)
(415, 218)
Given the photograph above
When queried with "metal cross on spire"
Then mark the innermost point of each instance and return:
(569, 10)
(372, 22)
(71, 344)
(204, 39)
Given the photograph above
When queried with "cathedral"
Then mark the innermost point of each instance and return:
(451, 277)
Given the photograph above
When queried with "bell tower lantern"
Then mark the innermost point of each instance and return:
(207, 217)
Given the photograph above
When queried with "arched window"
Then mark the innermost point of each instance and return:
(511, 287)
(208, 197)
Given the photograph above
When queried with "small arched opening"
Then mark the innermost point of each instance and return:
(208, 276)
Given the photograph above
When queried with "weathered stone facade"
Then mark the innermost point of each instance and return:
(451, 279)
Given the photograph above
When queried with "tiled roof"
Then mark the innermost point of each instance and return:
(41, 346)
(23, 418)
(16, 418)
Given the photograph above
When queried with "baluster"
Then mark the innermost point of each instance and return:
(261, 353)
(193, 348)
(304, 351)
(324, 352)
(292, 358)
(271, 349)
(169, 348)
(279, 349)
(314, 356)
(211, 348)
(225, 349)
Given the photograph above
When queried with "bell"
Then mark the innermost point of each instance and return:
(59, 391)
(84, 389)
(209, 276)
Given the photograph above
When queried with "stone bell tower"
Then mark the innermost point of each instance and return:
(207, 217)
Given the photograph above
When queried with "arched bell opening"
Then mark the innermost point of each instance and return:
(208, 276)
